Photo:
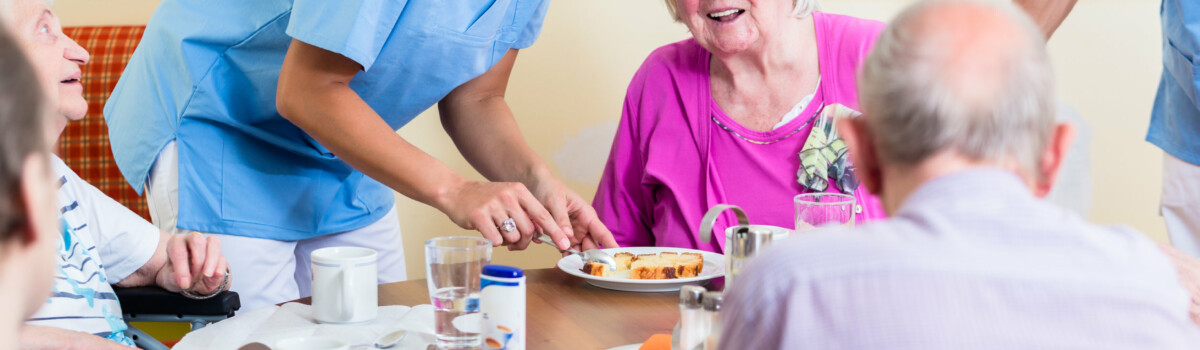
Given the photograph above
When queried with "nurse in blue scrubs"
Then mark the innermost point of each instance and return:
(1175, 122)
(271, 123)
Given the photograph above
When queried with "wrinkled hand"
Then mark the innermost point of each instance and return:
(483, 206)
(194, 263)
(1189, 275)
(575, 215)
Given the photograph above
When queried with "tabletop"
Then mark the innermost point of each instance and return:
(564, 312)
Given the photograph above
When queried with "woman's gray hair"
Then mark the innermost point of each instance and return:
(918, 101)
(802, 8)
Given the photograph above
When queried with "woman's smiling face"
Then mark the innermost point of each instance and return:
(731, 26)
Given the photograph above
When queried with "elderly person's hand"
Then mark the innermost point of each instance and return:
(182, 262)
(1189, 275)
(194, 263)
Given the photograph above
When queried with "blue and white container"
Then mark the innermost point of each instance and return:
(502, 302)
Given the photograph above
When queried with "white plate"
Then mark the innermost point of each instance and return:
(714, 266)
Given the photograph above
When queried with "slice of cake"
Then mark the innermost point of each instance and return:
(642, 267)
(623, 259)
(647, 267)
(689, 265)
(595, 269)
(669, 258)
(652, 267)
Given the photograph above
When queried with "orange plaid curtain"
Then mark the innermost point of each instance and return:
(84, 144)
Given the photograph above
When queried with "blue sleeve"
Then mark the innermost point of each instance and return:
(533, 27)
(356, 29)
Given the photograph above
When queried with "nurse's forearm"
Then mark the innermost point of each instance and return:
(314, 94)
(1047, 14)
(478, 119)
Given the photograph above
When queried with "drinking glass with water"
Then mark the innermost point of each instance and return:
(452, 267)
(822, 209)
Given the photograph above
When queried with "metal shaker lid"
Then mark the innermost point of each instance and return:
(690, 296)
(763, 230)
(712, 301)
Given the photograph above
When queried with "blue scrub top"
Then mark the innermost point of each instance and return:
(206, 72)
(1175, 120)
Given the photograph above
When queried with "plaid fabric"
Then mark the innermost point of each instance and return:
(84, 144)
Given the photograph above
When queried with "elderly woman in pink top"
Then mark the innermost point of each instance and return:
(723, 118)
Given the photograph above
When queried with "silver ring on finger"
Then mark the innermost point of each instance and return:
(509, 225)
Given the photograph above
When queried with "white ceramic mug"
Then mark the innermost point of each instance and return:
(311, 343)
(344, 285)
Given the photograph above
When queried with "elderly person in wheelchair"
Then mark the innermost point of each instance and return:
(102, 242)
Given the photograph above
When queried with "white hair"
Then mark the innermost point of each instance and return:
(6, 9)
(801, 9)
(929, 86)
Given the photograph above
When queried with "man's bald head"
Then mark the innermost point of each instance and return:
(971, 77)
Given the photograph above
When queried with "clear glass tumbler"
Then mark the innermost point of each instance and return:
(821, 209)
(452, 268)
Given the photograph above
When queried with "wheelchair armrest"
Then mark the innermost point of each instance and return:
(158, 301)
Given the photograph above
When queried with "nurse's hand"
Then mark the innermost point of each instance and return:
(574, 214)
(484, 206)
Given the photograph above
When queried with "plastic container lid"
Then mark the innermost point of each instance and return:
(502, 271)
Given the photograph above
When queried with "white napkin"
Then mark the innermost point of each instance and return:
(271, 324)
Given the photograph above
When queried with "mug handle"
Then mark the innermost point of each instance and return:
(347, 304)
(710, 219)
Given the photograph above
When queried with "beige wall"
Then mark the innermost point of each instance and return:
(567, 92)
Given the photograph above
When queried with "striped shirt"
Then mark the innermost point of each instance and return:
(971, 260)
(102, 243)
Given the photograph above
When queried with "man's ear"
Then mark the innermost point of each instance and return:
(37, 201)
(861, 145)
(1052, 158)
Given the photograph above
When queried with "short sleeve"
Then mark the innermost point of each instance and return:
(533, 27)
(125, 240)
(356, 29)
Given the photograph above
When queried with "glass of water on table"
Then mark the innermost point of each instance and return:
(823, 209)
(452, 268)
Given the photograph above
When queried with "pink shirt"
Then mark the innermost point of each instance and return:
(671, 160)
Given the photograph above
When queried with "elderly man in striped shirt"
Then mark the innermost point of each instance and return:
(958, 139)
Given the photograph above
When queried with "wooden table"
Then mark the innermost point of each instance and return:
(564, 312)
